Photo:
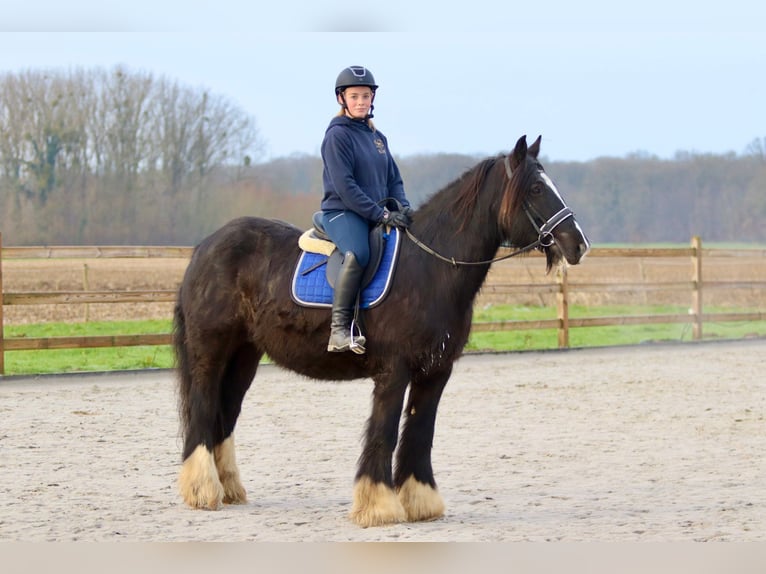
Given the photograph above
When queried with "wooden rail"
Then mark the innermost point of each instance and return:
(562, 289)
(696, 316)
(75, 297)
(84, 297)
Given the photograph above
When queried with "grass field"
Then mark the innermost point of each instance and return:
(161, 357)
(492, 304)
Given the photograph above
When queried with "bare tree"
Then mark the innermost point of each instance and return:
(121, 146)
(757, 148)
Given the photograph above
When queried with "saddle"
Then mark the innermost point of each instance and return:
(320, 262)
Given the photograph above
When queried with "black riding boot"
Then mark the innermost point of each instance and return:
(344, 299)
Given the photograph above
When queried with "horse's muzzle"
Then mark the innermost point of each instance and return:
(572, 247)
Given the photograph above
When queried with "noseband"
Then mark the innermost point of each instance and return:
(545, 231)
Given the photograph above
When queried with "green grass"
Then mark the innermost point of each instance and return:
(681, 245)
(99, 359)
(600, 336)
(161, 357)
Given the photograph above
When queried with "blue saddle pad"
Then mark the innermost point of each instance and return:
(311, 289)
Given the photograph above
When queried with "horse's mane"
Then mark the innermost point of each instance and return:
(463, 193)
(470, 182)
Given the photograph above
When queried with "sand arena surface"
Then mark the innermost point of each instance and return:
(662, 442)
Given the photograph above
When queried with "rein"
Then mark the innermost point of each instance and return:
(544, 233)
(457, 263)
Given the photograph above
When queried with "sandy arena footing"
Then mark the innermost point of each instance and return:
(656, 442)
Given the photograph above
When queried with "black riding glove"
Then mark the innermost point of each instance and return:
(400, 219)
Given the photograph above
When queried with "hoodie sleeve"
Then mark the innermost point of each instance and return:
(338, 156)
(395, 183)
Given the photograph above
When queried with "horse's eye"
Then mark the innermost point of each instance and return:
(538, 187)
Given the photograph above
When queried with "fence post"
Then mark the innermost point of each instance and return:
(697, 287)
(86, 287)
(2, 345)
(562, 304)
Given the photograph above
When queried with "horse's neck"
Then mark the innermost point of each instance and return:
(458, 281)
(475, 239)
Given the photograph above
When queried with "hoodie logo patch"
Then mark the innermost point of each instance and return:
(380, 145)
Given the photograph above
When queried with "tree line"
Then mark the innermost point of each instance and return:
(94, 155)
(119, 157)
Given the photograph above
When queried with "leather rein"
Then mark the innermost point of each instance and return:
(544, 233)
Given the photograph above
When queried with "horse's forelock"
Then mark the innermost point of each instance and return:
(513, 194)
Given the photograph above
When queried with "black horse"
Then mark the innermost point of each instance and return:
(234, 306)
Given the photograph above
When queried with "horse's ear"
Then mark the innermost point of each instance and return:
(519, 152)
(534, 149)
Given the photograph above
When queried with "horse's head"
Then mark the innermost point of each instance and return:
(533, 210)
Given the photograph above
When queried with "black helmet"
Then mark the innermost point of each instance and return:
(354, 76)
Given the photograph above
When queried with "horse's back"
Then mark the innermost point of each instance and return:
(244, 234)
(243, 241)
(239, 255)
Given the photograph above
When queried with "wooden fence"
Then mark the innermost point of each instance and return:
(560, 287)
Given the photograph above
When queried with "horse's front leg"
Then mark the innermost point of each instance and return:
(414, 477)
(375, 500)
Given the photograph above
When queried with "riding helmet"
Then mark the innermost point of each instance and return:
(354, 76)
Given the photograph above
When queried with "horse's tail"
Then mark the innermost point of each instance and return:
(183, 370)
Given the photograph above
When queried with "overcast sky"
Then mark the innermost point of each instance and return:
(594, 78)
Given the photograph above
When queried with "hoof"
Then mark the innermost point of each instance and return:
(198, 482)
(233, 491)
(420, 501)
(375, 504)
(228, 473)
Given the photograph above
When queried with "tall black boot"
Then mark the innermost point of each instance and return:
(344, 299)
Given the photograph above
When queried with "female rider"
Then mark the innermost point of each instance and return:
(359, 175)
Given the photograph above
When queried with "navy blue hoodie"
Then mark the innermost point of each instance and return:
(359, 170)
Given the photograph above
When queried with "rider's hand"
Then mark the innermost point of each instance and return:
(400, 219)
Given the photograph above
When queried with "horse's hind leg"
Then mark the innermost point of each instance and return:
(212, 399)
(414, 478)
(375, 501)
(198, 481)
(239, 374)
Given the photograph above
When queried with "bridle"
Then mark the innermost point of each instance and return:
(544, 239)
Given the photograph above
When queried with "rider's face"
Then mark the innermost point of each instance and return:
(358, 101)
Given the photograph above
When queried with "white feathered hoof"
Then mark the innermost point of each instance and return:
(228, 473)
(375, 504)
(198, 482)
(420, 501)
